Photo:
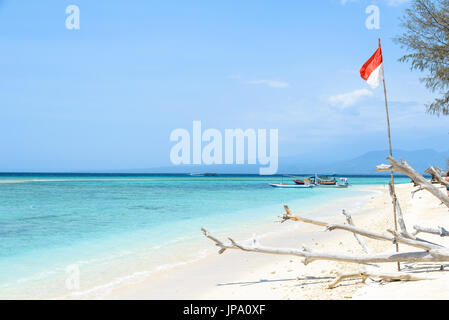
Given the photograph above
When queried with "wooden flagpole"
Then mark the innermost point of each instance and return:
(391, 155)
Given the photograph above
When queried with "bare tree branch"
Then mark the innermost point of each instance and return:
(416, 191)
(440, 231)
(369, 234)
(382, 276)
(434, 255)
(357, 237)
(404, 168)
(437, 176)
(400, 217)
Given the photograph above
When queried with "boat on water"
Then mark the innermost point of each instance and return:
(340, 183)
(312, 182)
(305, 181)
(323, 181)
(291, 186)
(203, 174)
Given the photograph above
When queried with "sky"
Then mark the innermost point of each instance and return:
(107, 96)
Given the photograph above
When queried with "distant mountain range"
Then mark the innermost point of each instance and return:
(364, 164)
(420, 160)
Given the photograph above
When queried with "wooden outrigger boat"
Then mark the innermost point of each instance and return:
(311, 182)
(323, 182)
(307, 180)
(292, 186)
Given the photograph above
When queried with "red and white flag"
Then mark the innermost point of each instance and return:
(373, 70)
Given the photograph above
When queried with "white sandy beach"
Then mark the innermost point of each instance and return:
(241, 275)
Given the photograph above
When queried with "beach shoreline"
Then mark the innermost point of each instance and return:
(239, 275)
(265, 230)
(122, 233)
(242, 275)
(173, 283)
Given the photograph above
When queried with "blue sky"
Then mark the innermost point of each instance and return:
(108, 95)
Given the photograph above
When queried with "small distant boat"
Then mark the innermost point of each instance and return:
(203, 174)
(275, 185)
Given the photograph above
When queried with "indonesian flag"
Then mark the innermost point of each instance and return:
(373, 70)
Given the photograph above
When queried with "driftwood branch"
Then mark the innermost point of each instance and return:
(440, 171)
(433, 255)
(416, 191)
(329, 226)
(218, 243)
(382, 276)
(404, 168)
(399, 215)
(440, 231)
(433, 171)
(397, 238)
(357, 237)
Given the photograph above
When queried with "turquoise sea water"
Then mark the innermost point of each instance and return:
(116, 227)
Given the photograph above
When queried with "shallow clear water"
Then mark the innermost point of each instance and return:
(114, 226)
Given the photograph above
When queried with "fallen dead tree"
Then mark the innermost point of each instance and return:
(404, 168)
(385, 277)
(433, 252)
(429, 251)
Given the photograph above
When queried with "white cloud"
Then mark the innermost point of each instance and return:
(271, 83)
(345, 100)
(312, 125)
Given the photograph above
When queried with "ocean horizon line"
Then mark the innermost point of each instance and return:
(205, 174)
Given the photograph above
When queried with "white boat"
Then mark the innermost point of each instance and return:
(297, 186)
(343, 183)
